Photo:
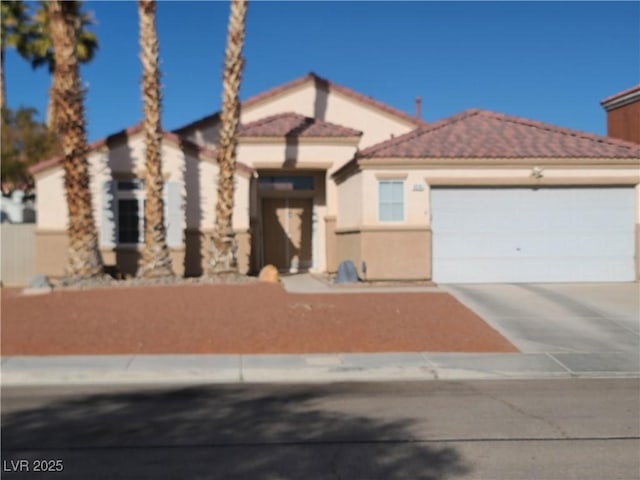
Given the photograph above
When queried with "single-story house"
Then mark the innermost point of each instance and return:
(326, 174)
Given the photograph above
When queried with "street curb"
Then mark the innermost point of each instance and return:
(249, 369)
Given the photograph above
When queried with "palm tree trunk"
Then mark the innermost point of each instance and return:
(51, 107)
(84, 258)
(156, 260)
(222, 246)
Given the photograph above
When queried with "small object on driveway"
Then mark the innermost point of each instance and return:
(269, 274)
(347, 273)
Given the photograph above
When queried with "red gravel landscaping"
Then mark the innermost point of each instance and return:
(243, 319)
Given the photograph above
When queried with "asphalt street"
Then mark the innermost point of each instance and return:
(508, 429)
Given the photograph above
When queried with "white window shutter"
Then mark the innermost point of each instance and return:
(108, 214)
(173, 213)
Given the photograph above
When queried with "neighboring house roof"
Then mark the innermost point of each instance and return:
(621, 98)
(130, 132)
(295, 125)
(482, 134)
(310, 77)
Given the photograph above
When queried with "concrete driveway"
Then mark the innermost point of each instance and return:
(585, 327)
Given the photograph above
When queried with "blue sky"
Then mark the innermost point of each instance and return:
(549, 61)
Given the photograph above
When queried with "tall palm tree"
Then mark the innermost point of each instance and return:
(84, 258)
(222, 247)
(156, 261)
(14, 32)
(39, 51)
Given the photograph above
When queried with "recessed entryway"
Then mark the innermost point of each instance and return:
(287, 232)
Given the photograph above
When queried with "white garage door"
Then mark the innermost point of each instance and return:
(483, 235)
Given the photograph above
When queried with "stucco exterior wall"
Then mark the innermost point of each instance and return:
(377, 126)
(387, 253)
(415, 199)
(418, 181)
(51, 203)
(349, 247)
(301, 99)
(350, 202)
(313, 100)
(402, 250)
(399, 254)
(126, 160)
(304, 154)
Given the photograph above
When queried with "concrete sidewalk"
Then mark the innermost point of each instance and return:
(195, 369)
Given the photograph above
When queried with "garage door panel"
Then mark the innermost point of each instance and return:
(513, 245)
(525, 235)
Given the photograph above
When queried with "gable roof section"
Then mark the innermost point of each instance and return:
(483, 134)
(123, 135)
(310, 77)
(295, 125)
(621, 99)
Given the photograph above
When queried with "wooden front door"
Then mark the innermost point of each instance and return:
(286, 227)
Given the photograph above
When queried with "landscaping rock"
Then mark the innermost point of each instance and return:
(269, 274)
(347, 273)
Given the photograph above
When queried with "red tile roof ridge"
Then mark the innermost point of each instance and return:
(297, 116)
(418, 132)
(557, 129)
(311, 76)
(615, 96)
(370, 151)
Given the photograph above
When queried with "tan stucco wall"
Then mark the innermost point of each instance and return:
(415, 201)
(417, 208)
(332, 107)
(349, 247)
(305, 154)
(51, 252)
(350, 202)
(299, 100)
(403, 254)
(51, 203)
(331, 244)
(126, 160)
(389, 253)
(403, 249)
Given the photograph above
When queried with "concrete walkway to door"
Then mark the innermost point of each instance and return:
(310, 283)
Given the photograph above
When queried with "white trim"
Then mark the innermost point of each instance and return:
(621, 101)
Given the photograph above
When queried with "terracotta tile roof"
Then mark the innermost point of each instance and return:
(483, 134)
(296, 125)
(129, 132)
(311, 77)
(618, 95)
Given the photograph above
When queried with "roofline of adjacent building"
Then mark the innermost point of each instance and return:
(620, 99)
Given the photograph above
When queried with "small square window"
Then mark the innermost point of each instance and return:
(391, 200)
